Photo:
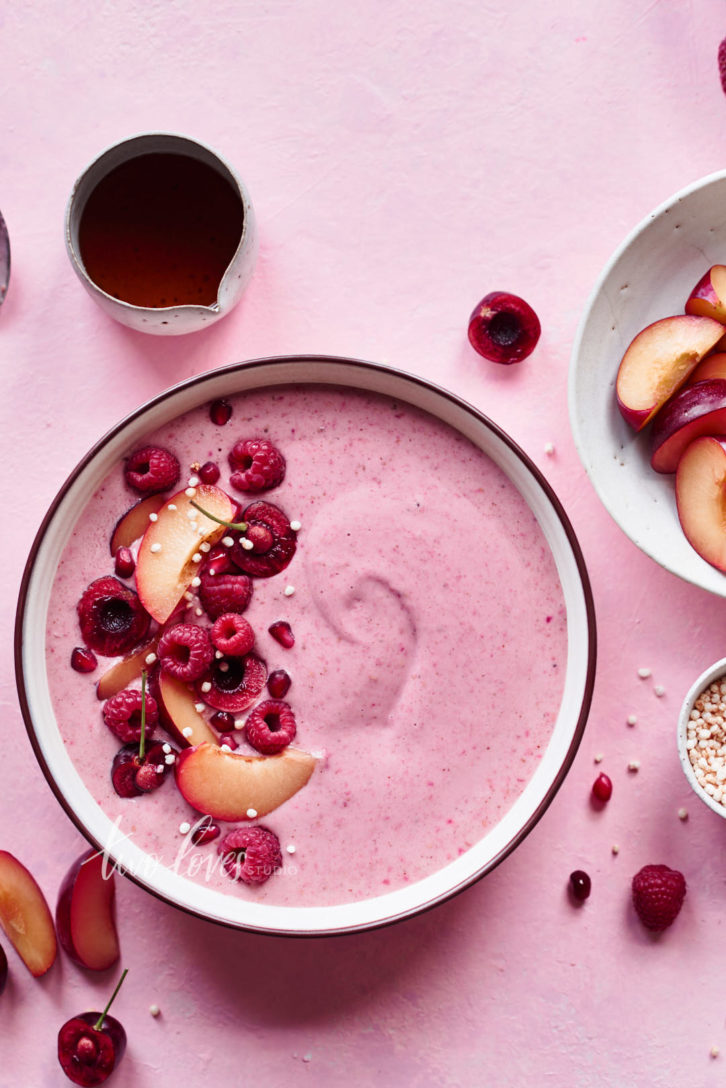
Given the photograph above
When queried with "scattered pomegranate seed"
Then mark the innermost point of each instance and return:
(230, 740)
(282, 633)
(124, 564)
(278, 683)
(580, 885)
(602, 788)
(222, 721)
(83, 660)
(206, 832)
(209, 473)
(220, 412)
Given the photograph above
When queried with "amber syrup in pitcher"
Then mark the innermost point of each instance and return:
(160, 230)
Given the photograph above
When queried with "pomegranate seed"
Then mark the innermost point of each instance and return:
(580, 885)
(123, 563)
(282, 633)
(83, 660)
(602, 788)
(278, 684)
(209, 473)
(230, 740)
(222, 721)
(220, 412)
(206, 832)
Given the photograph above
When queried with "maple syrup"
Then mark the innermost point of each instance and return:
(160, 230)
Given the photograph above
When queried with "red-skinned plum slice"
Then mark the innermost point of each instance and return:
(84, 914)
(25, 917)
(697, 410)
(701, 498)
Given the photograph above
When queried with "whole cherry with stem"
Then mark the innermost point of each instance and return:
(92, 1044)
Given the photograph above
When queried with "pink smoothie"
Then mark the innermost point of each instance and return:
(430, 649)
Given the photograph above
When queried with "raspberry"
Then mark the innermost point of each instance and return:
(111, 616)
(270, 727)
(658, 894)
(232, 635)
(209, 472)
(722, 64)
(236, 683)
(83, 660)
(151, 469)
(220, 412)
(256, 465)
(250, 854)
(278, 683)
(220, 593)
(122, 715)
(185, 651)
(273, 541)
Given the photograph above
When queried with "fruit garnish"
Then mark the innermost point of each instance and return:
(220, 412)
(235, 683)
(278, 683)
(91, 1045)
(503, 328)
(134, 769)
(179, 713)
(250, 854)
(172, 548)
(133, 524)
(602, 788)
(83, 659)
(227, 785)
(270, 727)
(232, 635)
(209, 472)
(185, 651)
(120, 675)
(269, 542)
(126, 713)
(658, 893)
(151, 469)
(222, 593)
(3, 969)
(25, 917)
(694, 411)
(204, 831)
(256, 465)
(124, 563)
(580, 885)
(281, 631)
(112, 617)
(84, 914)
(701, 498)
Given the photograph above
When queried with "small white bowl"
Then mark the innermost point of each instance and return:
(204, 901)
(648, 277)
(715, 672)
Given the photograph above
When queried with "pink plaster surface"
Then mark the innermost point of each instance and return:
(403, 162)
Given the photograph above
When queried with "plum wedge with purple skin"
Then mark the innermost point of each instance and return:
(708, 297)
(84, 915)
(25, 917)
(658, 361)
(503, 328)
(696, 410)
(91, 1045)
(701, 498)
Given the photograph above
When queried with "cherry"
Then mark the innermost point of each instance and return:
(91, 1045)
(580, 885)
(504, 328)
(602, 788)
(135, 770)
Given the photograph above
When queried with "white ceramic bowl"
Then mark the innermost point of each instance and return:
(717, 671)
(649, 276)
(203, 900)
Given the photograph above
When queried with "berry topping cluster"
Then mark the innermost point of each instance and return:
(189, 663)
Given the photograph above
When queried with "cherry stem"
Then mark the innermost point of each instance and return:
(99, 1023)
(142, 740)
(241, 525)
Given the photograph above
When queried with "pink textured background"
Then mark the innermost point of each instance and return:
(403, 162)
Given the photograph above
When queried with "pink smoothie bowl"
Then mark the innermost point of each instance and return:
(63, 776)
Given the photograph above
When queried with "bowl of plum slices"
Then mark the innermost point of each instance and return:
(647, 386)
(250, 618)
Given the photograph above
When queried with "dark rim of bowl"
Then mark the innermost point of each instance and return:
(359, 364)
